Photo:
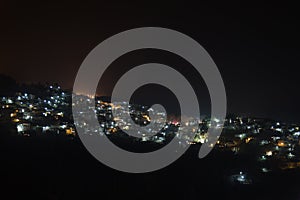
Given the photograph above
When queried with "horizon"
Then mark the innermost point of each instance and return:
(107, 99)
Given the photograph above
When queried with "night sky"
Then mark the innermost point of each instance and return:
(255, 46)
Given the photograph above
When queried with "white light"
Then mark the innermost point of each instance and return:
(265, 170)
(45, 128)
(263, 158)
(216, 120)
(20, 128)
(297, 133)
(279, 129)
(27, 117)
(63, 126)
(290, 155)
(60, 114)
(269, 153)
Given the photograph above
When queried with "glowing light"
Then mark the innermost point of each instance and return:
(263, 158)
(279, 129)
(281, 144)
(60, 114)
(63, 126)
(27, 117)
(46, 128)
(264, 170)
(16, 120)
(146, 117)
(269, 153)
(248, 140)
(216, 120)
(20, 128)
(70, 131)
(290, 155)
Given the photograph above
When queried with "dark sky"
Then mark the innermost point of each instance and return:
(255, 46)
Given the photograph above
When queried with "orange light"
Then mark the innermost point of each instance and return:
(112, 130)
(248, 140)
(69, 131)
(281, 143)
(146, 117)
